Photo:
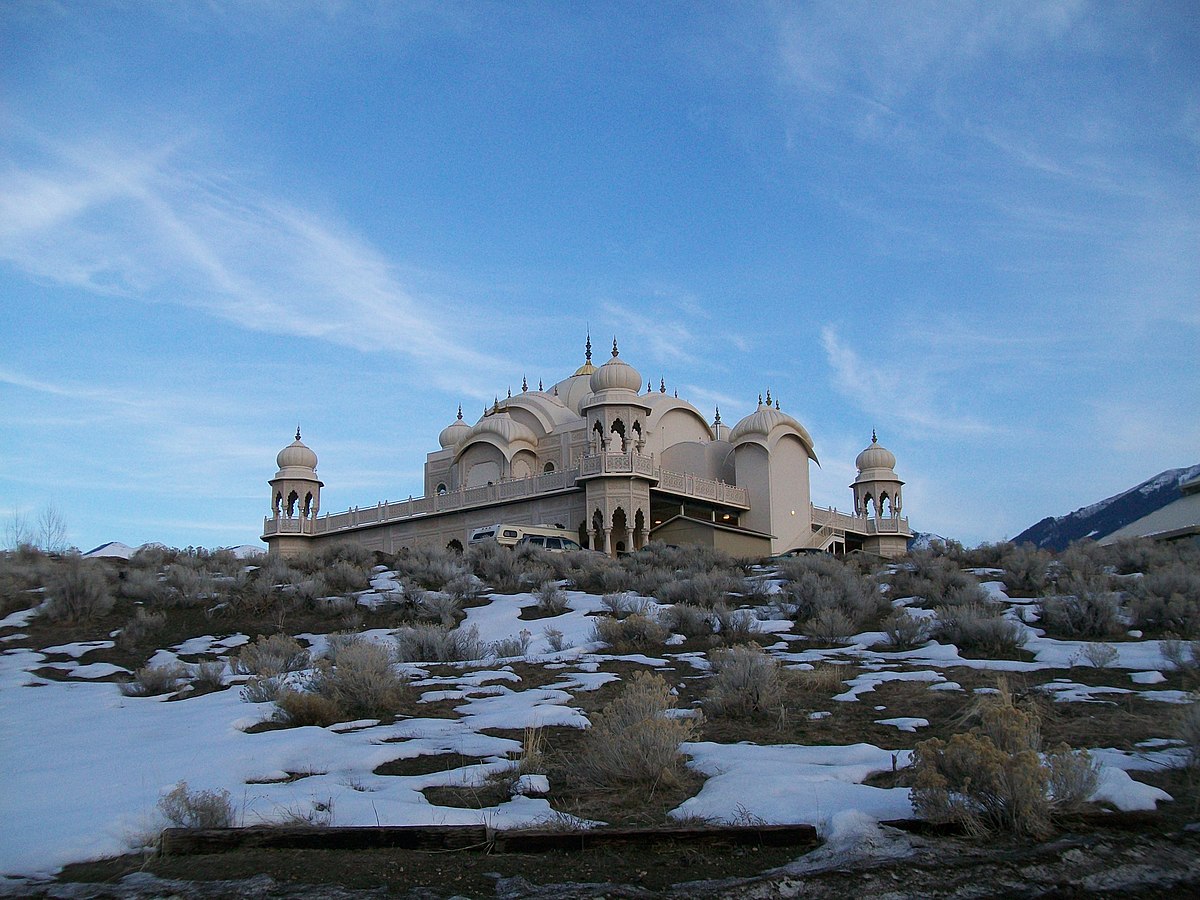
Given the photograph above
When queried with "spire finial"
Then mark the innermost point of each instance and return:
(874, 440)
(676, 393)
(588, 347)
(510, 393)
(662, 385)
(768, 396)
(760, 400)
(540, 388)
(297, 431)
(616, 352)
(649, 386)
(524, 384)
(777, 403)
(717, 420)
(460, 412)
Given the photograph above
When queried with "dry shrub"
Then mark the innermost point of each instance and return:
(510, 647)
(632, 741)
(438, 643)
(1082, 608)
(495, 565)
(1168, 599)
(210, 675)
(829, 625)
(1026, 568)
(622, 603)
(77, 592)
(141, 626)
(746, 682)
(261, 690)
(554, 638)
(706, 589)
(992, 778)
(551, 599)
(690, 621)
(1184, 656)
(438, 607)
(186, 586)
(736, 627)
(978, 627)
(301, 708)
(271, 655)
(144, 585)
(905, 631)
(1187, 729)
(832, 597)
(152, 680)
(820, 679)
(632, 634)
(183, 808)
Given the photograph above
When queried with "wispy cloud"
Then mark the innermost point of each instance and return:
(143, 225)
(895, 392)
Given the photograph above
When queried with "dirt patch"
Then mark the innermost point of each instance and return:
(426, 764)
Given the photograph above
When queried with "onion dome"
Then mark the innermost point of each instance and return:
(296, 455)
(876, 456)
(454, 432)
(616, 375)
(766, 422)
(503, 426)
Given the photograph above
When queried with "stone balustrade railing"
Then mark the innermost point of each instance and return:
(831, 517)
(517, 489)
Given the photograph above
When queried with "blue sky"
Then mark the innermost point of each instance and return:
(972, 226)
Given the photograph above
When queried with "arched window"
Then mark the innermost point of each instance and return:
(293, 499)
(618, 428)
(548, 468)
(441, 489)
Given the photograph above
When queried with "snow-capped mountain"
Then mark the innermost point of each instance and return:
(1105, 517)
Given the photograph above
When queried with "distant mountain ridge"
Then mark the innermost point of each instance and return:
(1106, 516)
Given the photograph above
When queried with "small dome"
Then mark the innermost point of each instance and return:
(765, 420)
(875, 456)
(296, 454)
(454, 432)
(503, 426)
(616, 375)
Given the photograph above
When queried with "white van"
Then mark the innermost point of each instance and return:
(545, 536)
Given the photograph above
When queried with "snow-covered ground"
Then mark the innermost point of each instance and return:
(83, 766)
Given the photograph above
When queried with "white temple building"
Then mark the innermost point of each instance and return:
(620, 464)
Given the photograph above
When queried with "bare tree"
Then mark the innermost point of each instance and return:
(17, 531)
(52, 529)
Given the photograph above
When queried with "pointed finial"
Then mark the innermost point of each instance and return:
(297, 431)
(676, 393)
(496, 404)
(616, 352)
(760, 400)
(460, 412)
(717, 420)
(556, 390)
(662, 385)
(540, 388)
(768, 396)
(510, 393)
(649, 386)
(874, 440)
(524, 384)
(588, 347)
(777, 403)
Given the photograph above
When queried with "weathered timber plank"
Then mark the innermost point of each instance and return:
(189, 841)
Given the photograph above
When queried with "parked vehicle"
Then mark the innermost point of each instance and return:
(510, 535)
(553, 543)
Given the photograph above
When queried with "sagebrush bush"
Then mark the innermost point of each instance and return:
(143, 624)
(632, 740)
(1168, 599)
(76, 592)
(820, 679)
(186, 586)
(438, 607)
(437, 643)
(183, 808)
(552, 601)
(978, 627)
(1026, 568)
(633, 634)
(496, 566)
(829, 625)
(992, 778)
(622, 603)
(143, 584)
(690, 621)
(362, 683)
(509, 647)
(706, 589)
(152, 680)
(833, 599)
(303, 707)
(555, 640)
(209, 675)
(1187, 729)
(734, 626)
(261, 690)
(746, 682)
(1082, 608)
(904, 631)
(271, 655)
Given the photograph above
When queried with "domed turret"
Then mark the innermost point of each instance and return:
(503, 426)
(453, 433)
(766, 421)
(616, 375)
(875, 456)
(877, 487)
(296, 455)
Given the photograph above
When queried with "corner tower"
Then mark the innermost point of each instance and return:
(878, 498)
(295, 499)
(616, 475)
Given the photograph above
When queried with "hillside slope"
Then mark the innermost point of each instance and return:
(1105, 517)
